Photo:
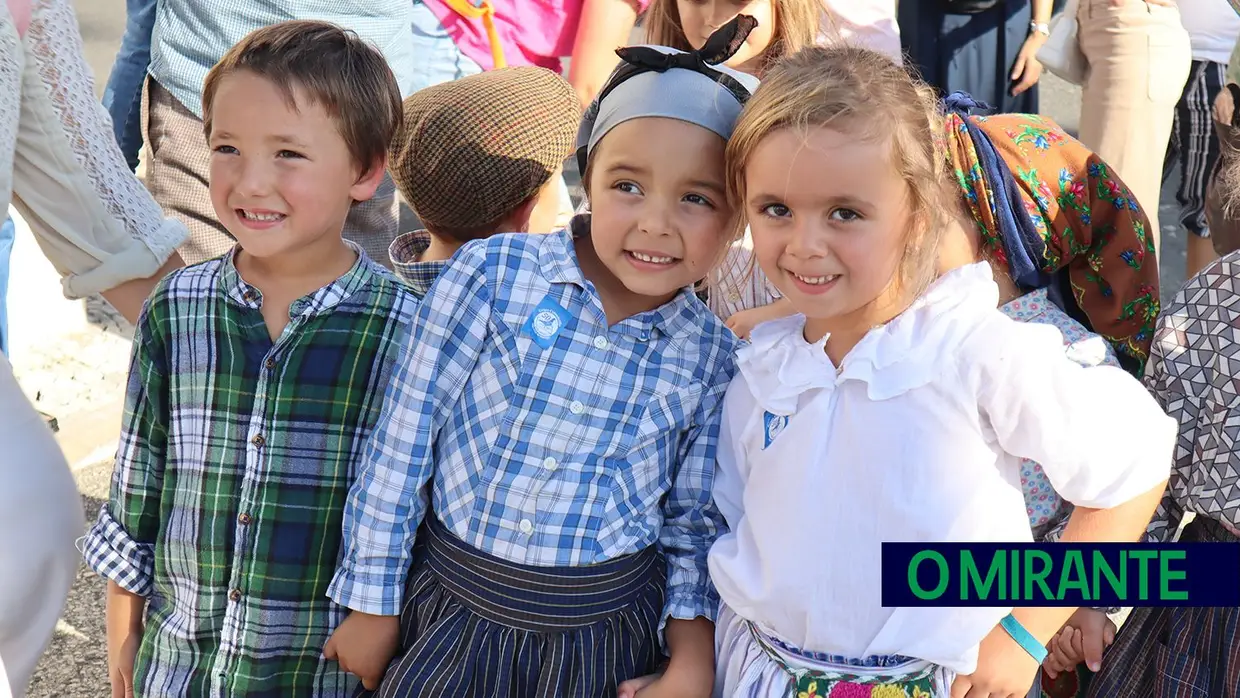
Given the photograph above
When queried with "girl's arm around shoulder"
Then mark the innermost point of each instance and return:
(386, 503)
(1096, 431)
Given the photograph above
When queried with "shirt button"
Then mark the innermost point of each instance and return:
(250, 295)
(270, 364)
(576, 407)
(235, 594)
(600, 342)
(526, 527)
(550, 464)
(244, 519)
(258, 440)
(734, 298)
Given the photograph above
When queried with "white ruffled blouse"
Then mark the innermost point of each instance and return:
(917, 436)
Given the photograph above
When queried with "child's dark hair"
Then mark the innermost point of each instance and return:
(332, 67)
(869, 96)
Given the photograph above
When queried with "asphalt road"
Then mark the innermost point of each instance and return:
(76, 663)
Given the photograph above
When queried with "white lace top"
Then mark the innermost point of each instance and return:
(918, 436)
(60, 165)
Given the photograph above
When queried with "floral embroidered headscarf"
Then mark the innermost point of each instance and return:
(1046, 204)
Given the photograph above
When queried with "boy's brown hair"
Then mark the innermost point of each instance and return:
(471, 151)
(333, 67)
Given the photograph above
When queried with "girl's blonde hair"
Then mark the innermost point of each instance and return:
(798, 23)
(869, 96)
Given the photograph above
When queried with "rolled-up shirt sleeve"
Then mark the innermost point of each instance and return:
(120, 545)
(93, 219)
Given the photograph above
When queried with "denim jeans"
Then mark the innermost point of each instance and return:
(7, 233)
(438, 58)
(123, 95)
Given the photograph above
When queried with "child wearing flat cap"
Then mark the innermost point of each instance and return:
(474, 158)
(548, 441)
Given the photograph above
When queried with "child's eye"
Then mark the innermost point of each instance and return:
(225, 150)
(775, 211)
(699, 200)
(289, 155)
(845, 215)
(627, 187)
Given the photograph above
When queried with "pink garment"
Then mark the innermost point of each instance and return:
(532, 32)
(20, 11)
(869, 23)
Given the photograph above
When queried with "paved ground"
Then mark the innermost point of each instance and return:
(71, 358)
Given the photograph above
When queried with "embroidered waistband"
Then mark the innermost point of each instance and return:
(817, 674)
(537, 599)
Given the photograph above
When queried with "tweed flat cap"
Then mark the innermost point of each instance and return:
(470, 151)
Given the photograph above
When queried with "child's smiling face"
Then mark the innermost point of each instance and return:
(282, 177)
(830, 216)
(659, 216)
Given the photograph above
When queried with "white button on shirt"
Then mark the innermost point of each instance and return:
(918, 438)
(526, 527)
(576, 407)
(550, 464)
(600, 342)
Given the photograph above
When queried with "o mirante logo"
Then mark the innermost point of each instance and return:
(1061, 574)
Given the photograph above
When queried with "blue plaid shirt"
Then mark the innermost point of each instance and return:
(191, 36)
(548, 437)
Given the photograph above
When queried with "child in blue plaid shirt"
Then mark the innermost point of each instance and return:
(552, 429)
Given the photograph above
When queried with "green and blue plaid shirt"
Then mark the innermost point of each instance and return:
(234, 464)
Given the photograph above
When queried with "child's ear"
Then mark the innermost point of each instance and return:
(368, 180)
(519, 220)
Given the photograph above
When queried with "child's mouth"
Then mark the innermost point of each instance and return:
(814, 284)
(260, 219)
(649, 260)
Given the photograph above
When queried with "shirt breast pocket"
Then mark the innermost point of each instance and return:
(643, 473)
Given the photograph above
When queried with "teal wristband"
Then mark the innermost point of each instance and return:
(1022, 637)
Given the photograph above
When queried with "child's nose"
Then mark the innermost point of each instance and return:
(256, 179)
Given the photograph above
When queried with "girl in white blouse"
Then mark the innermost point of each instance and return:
(893, 407)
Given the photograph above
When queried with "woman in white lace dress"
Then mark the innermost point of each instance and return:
(60, 166)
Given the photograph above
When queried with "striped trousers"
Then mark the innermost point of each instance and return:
(476, 626)
(1194, 149)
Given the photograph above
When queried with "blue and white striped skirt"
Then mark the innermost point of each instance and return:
(476, 626)
(752, 664)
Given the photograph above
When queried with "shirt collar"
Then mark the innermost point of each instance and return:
(406, 252)
(322, 301)
(558, 259)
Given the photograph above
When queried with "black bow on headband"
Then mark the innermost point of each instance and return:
(722, 45)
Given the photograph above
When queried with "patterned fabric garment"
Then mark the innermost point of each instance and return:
(548, 437)
(1192, 372)
(405, 253)
(191, 36)
(1046, 204)
(234, 464)
(1047, 510)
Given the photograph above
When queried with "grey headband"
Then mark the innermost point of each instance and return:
(657, 81)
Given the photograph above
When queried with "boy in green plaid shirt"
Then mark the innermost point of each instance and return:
(255, 383)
